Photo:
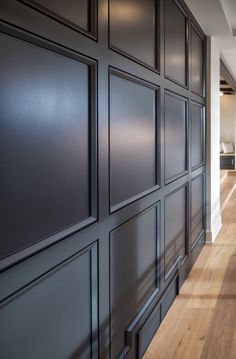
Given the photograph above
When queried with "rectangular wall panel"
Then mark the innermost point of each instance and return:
(133, 29)
(148, 331)
(197, 62)
(198, 214)
(197, 125)
(176, 66)
(175, 228)
(176, 132)
(79, 14)
(133, 157)
(54, 317)
(134, 250)
(45, 143)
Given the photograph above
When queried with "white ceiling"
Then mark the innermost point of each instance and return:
(218, 18)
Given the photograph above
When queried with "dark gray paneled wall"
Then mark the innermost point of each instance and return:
(102, 184)
(45, 143)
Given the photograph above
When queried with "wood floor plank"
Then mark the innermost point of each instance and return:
(206, 291)
(220, 341)
(185, 340)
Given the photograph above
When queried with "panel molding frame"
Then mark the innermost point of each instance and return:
(194, 242)
(183, 173)
(157, 49)
(128, 332)
(193, 27)
(93, 17)
(203, 134)
(60, 234)
(187, 52)
(125, 75)
(94, 287)
(180, 260)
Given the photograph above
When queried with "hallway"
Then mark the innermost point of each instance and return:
(200, 324)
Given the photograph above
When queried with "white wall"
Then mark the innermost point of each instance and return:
(213, 138)
(227, 118)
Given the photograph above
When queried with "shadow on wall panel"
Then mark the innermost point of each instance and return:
(135, 244)
(176, 136)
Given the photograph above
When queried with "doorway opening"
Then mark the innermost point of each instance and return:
(227, 135)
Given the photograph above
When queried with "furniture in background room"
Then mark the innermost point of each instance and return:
(227, 157)
(227, 161)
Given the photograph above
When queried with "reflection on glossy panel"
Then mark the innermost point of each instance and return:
(175, 136)
(133, 28)
(197, 63)
(44, 147)
(132, 139)
(175, 42)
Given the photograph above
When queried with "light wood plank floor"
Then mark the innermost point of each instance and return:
(201, 324)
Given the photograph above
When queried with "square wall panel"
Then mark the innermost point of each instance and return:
(197, 124)
(133, 29)
(133, 162)
(176, 133)
(175, 42)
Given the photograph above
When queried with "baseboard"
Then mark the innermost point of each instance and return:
(212, 233)
(208, 236)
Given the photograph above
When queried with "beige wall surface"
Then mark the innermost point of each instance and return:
(227, 118)
(213, 138)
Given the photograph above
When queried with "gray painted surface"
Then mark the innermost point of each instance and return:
(175, 42)
(197, 133)
(133, 29)
(133, 158)
(98, 187)
(176, 126)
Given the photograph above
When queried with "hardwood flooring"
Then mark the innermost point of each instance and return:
(223, 325)
(201, 324)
